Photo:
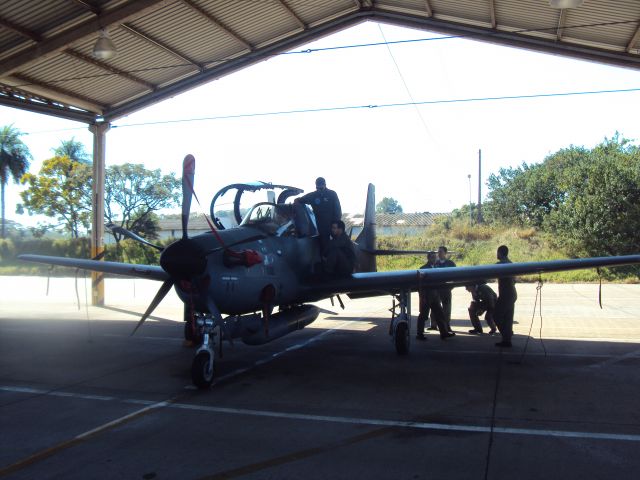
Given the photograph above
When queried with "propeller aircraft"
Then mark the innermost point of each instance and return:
(231, 280)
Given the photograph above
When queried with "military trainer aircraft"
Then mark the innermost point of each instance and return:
(231, 280)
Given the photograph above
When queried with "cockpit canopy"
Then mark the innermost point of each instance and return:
(281, 220)
(283, 193)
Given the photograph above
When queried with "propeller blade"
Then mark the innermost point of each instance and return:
(126, 233)
(164, 289)
(188, 177)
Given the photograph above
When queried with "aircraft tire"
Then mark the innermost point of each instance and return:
(201, 376)
(401, 338)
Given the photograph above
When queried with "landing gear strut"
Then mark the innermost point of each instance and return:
(400, 328)
(203, 366)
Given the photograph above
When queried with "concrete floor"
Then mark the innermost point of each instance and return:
(81, 398)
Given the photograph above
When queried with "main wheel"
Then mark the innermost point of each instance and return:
(201, 373)
(401, 338)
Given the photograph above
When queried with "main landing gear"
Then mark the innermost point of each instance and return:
(400, 328)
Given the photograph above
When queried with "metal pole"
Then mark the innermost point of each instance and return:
(470, 210)
(480, 219)
(99, 131)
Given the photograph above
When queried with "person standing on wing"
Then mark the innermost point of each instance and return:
(326, 208)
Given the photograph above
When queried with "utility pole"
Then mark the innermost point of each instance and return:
(480, 186)
(470, 210)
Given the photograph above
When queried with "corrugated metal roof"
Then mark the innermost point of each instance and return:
(168, 46)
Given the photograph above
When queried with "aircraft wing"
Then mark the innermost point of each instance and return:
(376, 283)
(150, 272)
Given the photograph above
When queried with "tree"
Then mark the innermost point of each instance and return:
(74, 150)
(14, 162)
(388, 205)
(62, 189)
(133, 193)
(601, 210)
(589, 200)
(526, 195)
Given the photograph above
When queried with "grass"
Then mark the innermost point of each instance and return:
(469, 244)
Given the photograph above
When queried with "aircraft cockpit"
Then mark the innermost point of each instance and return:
(274, 217)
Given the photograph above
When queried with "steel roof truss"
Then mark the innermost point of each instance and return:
(110, 69)
(57, 43)
(291, 13)
(163, 46)
(634, 40)
(70, 97)
(23, 32)
(218, 24)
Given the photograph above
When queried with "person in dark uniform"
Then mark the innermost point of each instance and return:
(445, 293)
(326, 208)
(430, 302)
(483, 300)
(340, 257)
(424, 305)
(506, 302)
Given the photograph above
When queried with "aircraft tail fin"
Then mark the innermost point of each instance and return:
(366, 240)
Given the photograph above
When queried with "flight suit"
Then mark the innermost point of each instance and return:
(326, 208)
(484, 300)
(505, 305)
(445, 293)
(340, 257)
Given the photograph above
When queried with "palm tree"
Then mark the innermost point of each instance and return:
(74, 150)
(14, 161)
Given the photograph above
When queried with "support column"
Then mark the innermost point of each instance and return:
(99, 131)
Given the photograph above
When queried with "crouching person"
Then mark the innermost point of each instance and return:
(483, 300)
(340, 255)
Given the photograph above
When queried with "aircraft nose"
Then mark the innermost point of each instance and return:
(184, 259)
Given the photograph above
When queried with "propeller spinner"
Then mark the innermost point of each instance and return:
(185, 259)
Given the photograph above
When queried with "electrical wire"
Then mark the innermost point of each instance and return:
(352, 107)
(406, 87)
(385, 105)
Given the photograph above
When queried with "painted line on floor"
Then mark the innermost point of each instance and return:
(169, 404)
(148, 405)
(48, 452)
(273, 356)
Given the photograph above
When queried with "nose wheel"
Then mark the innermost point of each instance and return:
(203, 369)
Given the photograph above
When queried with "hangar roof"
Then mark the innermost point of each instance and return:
(165, 47)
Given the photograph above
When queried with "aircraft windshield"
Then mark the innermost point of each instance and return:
(270, 218)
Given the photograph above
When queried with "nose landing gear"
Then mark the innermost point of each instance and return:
(203, 366)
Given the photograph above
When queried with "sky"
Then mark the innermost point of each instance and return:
(421, 155)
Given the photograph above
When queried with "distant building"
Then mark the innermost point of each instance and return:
(172, 227)
(386, 224)
(394, 223)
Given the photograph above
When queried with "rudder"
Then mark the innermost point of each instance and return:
(366, 241)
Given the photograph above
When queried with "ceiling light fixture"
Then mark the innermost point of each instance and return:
(566, 3)
(104, 48)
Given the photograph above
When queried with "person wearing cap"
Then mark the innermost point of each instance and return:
(326, 208)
